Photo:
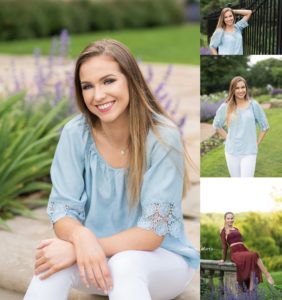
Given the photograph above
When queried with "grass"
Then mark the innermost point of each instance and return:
(175, 44)
(269, 160)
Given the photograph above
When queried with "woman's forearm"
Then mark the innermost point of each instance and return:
(243, 12)
(213, 51)
(131, 239)
(222, 132)
(261, 136)
(66, 228)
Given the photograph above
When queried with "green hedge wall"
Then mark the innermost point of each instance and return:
(40, 18)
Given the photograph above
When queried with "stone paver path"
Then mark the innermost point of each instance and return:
(207, 131)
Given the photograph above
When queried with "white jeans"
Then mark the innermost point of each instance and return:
(241, 166)
(138, 275)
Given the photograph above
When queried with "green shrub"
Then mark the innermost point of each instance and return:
(36, 18)
(28, 137)
(273, 263)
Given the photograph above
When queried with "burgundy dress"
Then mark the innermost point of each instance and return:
(245, 260)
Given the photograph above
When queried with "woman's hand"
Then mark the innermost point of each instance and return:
(52, 256)
(91, 259)
(221, 262)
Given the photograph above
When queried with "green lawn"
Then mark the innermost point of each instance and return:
(176, 44)
(269, 160)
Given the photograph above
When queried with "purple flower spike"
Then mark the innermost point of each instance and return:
(159, 88)
(168, 72)
(182, 121)
(205, 51)
(163, 97)
(58, 92)
(150, 73)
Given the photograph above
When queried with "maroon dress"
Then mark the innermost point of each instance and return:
(245, 260)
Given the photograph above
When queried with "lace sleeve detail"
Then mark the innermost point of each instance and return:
(162, 218)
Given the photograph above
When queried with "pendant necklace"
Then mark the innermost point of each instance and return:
(121, 151)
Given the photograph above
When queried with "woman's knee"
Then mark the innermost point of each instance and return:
(127, 264)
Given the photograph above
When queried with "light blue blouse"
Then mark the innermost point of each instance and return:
(229, 43)
(242, 137)
(88, 189)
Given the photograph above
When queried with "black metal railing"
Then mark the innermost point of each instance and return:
(264, 33)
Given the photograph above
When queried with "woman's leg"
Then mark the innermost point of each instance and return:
(265, 272)
(57, 286)
(146, 275)
(248, 165)
(233, 165)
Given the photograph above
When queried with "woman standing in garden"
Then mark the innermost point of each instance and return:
(240, 114)
(248, 263)
(227, 38)
(117, 218)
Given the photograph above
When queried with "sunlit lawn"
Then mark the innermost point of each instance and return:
(176, 44)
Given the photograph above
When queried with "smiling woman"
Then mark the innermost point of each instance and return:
(227, 38)
(118, 220)
(240, 114)
(249, 265)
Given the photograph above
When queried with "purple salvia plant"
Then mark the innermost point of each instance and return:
(168, 72)
(275, 92)
(64, 44)
(58, 92)
(17, 86)
(205, 51)
(150, 74)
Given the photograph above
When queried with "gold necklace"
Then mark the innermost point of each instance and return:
(121, 151)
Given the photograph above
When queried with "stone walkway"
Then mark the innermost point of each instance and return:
(16, 257)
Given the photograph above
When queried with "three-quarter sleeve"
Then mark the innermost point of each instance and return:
(220, 117)
(161, 192)
(260, 116)
(241, 24)
(216, 38)
(67, 197)
(224, 244)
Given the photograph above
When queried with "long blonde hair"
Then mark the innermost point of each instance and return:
(142, 106)
(231, 99)
(221, 23)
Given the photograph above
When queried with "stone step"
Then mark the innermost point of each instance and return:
(17, 256)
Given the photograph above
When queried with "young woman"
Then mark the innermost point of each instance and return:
(227, 38)
(118, 179)
(240, 114)
(249, 265)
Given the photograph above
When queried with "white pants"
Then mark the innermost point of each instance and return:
(138, 275)
(241, 166)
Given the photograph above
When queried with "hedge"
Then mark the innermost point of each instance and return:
(37, 18)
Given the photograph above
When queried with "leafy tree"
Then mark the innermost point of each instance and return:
(217, 72)
(265, 72)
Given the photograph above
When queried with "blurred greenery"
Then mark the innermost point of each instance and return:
(175, 44)
(37, 18)
(269, 160)
(217, 72)
(28, 136)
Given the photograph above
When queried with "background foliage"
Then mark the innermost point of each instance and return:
(37, 18)
(217, 72)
